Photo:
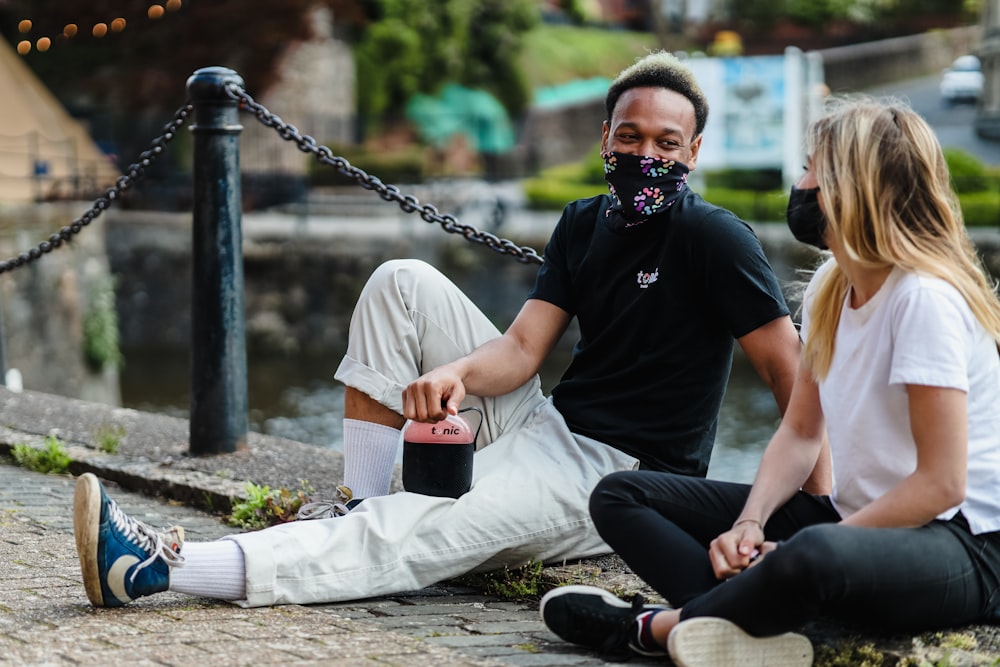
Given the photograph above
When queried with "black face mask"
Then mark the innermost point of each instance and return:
(805, 218)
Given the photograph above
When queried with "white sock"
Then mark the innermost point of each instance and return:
(211, 570)
(369, 457)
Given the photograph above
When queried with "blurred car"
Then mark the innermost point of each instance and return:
(963, 81)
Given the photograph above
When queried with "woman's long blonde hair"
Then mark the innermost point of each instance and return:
(888, 200)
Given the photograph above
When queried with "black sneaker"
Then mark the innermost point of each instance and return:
(593, 617)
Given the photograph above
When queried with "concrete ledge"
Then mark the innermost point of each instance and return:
(153, 455)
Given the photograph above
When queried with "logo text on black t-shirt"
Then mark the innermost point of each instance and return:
(646, 279)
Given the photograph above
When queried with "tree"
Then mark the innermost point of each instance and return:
(411, 47)
(495, 39)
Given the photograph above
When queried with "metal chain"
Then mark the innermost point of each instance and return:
(134, 172)
(408, 203)
(305, 143)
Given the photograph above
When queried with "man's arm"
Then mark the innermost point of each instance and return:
(773, 350)
(494, 368)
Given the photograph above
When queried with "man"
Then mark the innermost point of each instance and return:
(661, 284)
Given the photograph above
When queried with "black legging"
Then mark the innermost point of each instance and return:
(889, 579)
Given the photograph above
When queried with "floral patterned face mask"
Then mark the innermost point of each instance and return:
(641, 187)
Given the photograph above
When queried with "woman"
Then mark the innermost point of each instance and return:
(900, 371)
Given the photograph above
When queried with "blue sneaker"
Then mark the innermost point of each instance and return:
(121, 558)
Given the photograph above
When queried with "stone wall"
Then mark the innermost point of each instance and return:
(314, 92)
(44, 304)
(300, 288)
(859, 66)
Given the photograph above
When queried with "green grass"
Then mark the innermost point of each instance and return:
(108, 437)
(555, 54)
(52, 458)
(266, 507)
(521, 583)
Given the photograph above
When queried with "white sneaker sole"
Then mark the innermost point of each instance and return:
(86, 526)
(716, 642)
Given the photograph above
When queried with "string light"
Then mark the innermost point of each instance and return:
(99, 30)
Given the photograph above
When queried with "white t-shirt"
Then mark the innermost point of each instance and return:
(915, 330)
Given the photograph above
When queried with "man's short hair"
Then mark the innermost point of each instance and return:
(660, 70)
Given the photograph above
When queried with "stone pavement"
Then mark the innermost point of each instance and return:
(45, 618)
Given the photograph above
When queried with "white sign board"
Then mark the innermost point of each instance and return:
(758, 110)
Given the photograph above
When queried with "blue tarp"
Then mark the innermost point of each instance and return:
(459, 110)
(572, 92)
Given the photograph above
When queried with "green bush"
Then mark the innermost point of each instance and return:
(265, 507)
(744, 179)
(100, 328)
(554, 187)
(52, 458)
(550, 194)
(592, 169)
(750, 205)
(981, 209)
(968, 174)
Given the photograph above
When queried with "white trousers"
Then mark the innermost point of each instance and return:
(532, 477)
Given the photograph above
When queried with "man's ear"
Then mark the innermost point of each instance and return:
(695, 147)
(605, 133)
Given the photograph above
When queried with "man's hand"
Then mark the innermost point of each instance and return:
(434, 395)
(737, 549)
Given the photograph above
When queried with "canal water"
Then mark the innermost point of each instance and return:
(297, 398)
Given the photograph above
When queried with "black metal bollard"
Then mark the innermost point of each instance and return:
(219, 404)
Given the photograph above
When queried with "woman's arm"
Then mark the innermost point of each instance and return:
(940, 429)
(790, 457)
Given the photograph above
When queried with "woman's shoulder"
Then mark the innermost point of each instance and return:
(937, 297)
(908, 284)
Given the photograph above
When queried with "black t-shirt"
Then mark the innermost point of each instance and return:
(659, 307)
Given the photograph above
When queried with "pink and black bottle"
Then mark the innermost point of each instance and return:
(437, 458)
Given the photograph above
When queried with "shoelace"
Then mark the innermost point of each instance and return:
(616, 647)
(322, 509)
(145, 537)
(327, 509)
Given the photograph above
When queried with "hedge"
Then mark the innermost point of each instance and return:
(980, 209)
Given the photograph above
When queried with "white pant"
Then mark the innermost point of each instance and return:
(530, 488)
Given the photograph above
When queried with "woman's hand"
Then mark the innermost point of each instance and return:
(764, 549)
(736, 549)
